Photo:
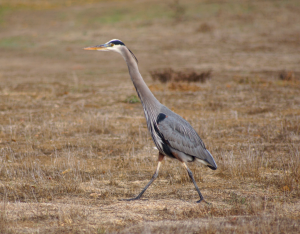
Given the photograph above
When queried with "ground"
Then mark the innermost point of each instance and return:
(74, 141)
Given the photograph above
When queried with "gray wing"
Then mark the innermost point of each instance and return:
(182, 137)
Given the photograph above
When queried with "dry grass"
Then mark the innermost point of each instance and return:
(73, 138)
(169, 75)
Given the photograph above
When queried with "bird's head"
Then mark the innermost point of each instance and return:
(112, 45)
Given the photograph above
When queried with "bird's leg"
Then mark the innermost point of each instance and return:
(160, 158)
(196, 186)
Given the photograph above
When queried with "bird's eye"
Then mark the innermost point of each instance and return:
(112, 44)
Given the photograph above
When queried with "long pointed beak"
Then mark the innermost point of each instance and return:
(98, 47)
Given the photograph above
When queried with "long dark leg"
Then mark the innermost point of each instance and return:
(160, 158)
(196, 186)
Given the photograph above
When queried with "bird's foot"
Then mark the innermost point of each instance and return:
(131, 199)
(204, 201)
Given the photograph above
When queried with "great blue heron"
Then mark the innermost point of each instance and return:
(173, 136)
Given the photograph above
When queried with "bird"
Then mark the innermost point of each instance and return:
(173, 136)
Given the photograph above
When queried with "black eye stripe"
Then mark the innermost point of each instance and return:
(116, 42)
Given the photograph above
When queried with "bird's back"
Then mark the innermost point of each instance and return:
(181, 138)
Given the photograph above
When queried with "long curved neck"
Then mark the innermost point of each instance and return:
(147, 98)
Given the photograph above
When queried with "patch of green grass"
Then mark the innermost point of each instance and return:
(16, 42)
(236, 199)
(45, 4)
(132, 99)
(3, 12)
(114, 17)
(124, 13)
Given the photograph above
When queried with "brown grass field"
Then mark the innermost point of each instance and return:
(74, 141)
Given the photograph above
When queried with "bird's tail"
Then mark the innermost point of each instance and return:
(209, 161)
(212, 164)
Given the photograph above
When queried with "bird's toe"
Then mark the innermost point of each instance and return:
(203, 201)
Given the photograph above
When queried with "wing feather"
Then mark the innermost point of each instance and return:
(182, 137)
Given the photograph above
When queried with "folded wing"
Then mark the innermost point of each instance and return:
(180, 135)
